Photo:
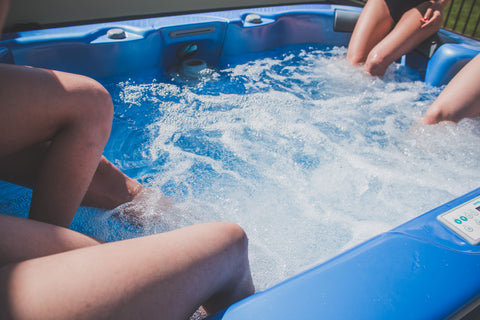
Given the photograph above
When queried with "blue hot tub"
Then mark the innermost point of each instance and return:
(426, 268)
(155, 43)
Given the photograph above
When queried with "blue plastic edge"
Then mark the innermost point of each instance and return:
(411, 272)
(449, 58)
(149, 45)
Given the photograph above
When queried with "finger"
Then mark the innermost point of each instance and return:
(433, 18)
(426, 17)
(428, 14)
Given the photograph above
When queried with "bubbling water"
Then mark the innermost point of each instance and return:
(308, 154)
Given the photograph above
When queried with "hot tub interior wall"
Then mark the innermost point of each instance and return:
(155, 43)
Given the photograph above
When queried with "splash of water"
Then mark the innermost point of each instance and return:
(307, 153)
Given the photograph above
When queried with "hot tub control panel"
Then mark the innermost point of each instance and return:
(464, 220)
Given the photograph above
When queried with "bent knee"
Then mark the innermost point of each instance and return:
(355, 58)
(439, 112)
(376, 63)
(98, 99)
(93, 107)
(235, 232)
(432, 116)
(234, 236)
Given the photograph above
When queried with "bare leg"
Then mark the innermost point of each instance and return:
(74, 113)
(109, 188)
(405, 36)
(164, 276)
(460, 98)
(22, 239)
(374, 24)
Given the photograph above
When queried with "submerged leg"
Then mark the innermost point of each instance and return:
(109, 187)
(164, 276)
(460, 98)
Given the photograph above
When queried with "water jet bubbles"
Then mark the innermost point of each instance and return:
(307, 153)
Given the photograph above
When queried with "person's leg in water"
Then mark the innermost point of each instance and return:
(109, 188)
(51, 120)
(74, 114)
(163, 276)
(460, 98)
(374, 23)
(407, 34)
(373, 43)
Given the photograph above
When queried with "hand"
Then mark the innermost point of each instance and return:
(434, 14)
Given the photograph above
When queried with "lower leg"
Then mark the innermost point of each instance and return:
(72, 158)
(71, 112)
(405, 37)
(372, 26)
(109, 187)
(74, 114)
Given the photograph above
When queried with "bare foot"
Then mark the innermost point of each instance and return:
(148, 206)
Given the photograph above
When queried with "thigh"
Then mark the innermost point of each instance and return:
(374, 24)
(35, 104)
(165, 276)
(22, 239)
